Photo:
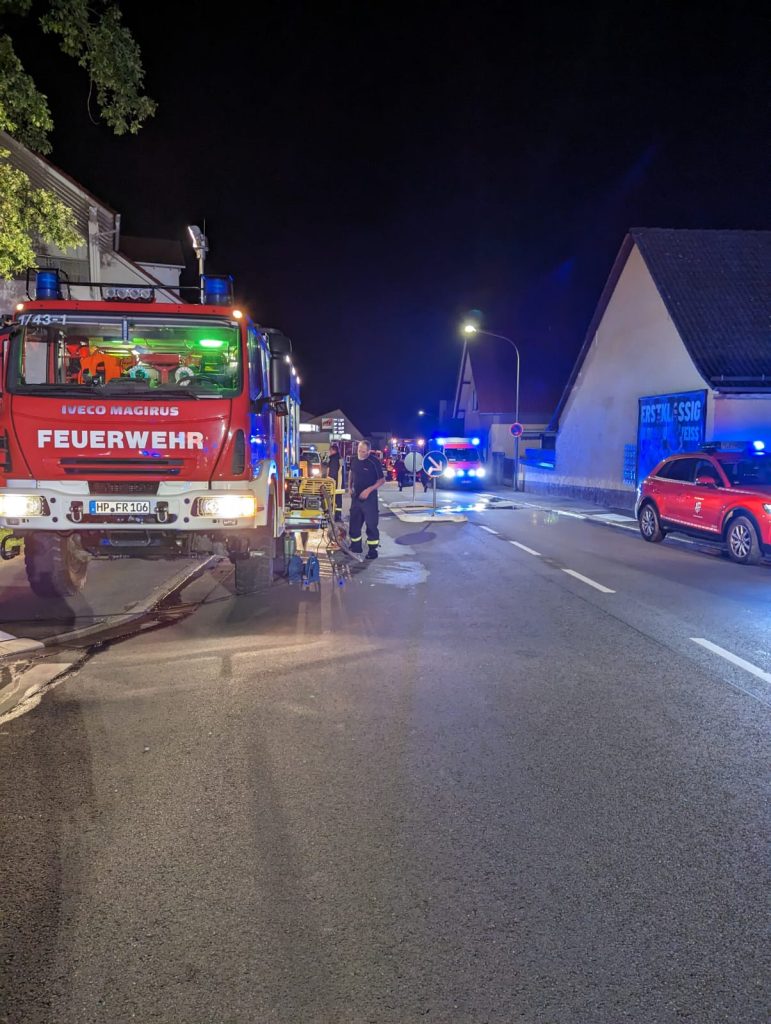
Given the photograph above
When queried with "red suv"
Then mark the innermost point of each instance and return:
(720, 493)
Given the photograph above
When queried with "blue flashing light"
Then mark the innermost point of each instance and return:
(759, 446)
(47, 285)
(440, 440)
(475, 440)
(217, 291)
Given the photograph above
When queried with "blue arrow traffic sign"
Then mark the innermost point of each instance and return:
(434, 463)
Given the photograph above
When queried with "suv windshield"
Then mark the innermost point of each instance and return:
(750, 471)
(66, 353)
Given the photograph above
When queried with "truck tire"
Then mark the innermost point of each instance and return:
(56, 566)
(255, 572)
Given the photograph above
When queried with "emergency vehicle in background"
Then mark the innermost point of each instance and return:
(140, 428)
(465, 466)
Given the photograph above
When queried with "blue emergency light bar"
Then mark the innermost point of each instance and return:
(734, 446)
(217, 290)
(47, 285)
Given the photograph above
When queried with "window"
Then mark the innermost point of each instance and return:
(680, 469)
(754, 470)
(706, 468)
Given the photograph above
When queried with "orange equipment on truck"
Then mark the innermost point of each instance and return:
(143, 428)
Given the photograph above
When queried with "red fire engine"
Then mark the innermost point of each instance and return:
(143, 428)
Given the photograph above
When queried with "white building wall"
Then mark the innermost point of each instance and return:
(636, 352)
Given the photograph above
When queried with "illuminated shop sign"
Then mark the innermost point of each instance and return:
(668, 425)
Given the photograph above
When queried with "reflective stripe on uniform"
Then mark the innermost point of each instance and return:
(355, 540)
(372, 543)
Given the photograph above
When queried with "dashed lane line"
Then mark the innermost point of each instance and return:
(733, 658)
(487, 529)
(591, 583)
(524, 547)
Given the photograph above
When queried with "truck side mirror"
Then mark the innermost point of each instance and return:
(280, 377)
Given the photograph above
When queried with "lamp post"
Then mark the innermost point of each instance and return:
(468, 330)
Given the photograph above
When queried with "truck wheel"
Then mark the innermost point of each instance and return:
(256, 570)
(56, 566)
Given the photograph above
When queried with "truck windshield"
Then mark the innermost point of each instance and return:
(66, 353)
(462, 454)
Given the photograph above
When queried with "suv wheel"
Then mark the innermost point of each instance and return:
(650, 525)
(742, 540)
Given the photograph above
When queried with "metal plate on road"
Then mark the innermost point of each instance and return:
(125, 508)
(434, 463)
(413, 461)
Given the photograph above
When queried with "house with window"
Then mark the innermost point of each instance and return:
(678, 352)
(105, 255)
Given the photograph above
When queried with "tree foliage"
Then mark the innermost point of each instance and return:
(94, 36)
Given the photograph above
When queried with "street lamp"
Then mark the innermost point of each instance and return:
(201, 249)
(470, 329)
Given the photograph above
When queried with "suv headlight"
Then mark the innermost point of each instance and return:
(22, 506)
(228, 506)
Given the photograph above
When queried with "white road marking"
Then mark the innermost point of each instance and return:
(591, 583)
(735, 659)
(613, 517)
(522, 547)
(573, 515)
(487, 528)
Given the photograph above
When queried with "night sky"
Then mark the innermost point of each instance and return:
(369, 172)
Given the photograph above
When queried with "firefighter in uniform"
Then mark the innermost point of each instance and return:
(366, 477)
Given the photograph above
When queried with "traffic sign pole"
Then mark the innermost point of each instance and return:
(434, 464)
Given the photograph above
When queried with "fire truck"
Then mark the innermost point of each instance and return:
(143, 428)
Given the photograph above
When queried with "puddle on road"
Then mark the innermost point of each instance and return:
(397, 573)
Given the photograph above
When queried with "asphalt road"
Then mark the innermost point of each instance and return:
(466, 787)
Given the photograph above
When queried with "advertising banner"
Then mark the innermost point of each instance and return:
(668, 425)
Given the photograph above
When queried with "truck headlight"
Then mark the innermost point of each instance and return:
(228, 506)
(22, 506)
(449, 472)
(480, 472)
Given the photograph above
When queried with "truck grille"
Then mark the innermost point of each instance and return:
(129, 467)
(122, 487)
